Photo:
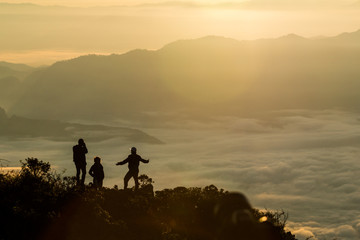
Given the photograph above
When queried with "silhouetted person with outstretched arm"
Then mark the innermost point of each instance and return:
(133, 161)
(79, 158)
(97, 172)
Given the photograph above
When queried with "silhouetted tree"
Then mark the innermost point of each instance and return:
(34, 167)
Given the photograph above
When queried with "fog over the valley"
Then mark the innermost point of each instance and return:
(304, 162)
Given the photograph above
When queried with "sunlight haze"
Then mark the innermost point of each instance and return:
(47, 32)
(259, 97)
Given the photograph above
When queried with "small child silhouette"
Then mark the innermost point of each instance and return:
(97, 172)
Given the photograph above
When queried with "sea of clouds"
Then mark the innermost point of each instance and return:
(303, 162)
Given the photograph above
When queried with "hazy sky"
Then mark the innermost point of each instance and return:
(42, 35)
(259, 3)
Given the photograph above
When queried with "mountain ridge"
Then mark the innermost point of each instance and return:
(209, 75)
(16, 127)
(16, 66)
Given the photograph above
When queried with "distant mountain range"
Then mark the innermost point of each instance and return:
(16, 66)
(11, 77)
(19, 127)
(14, 70)
(199, 78)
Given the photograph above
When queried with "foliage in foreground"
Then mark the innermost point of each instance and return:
(39, 204)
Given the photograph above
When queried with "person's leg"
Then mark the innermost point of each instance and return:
(77, 173)
(136, 178)
(127, 178)
(83, 170)
(98, 183)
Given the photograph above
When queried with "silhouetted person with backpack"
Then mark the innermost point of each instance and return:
(97, 172)
(79, 158)
(133, 161)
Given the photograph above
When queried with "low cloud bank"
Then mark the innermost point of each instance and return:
(304, 162)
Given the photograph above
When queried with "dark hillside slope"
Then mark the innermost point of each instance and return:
(38, 204)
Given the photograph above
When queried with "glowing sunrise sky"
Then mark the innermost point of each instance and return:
(53, 30)
(258, 3)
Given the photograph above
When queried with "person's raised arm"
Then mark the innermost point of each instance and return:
(144, 160)
(122, 162)
(85, 148)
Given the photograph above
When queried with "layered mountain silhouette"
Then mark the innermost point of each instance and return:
(11, 77)
(207, 76)
(19, 71)
(16, 127)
